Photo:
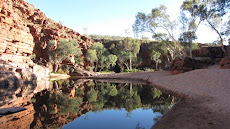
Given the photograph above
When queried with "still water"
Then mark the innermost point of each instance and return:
(91, 104)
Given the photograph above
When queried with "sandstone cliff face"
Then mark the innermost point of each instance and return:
(25, 30)
(16, 42)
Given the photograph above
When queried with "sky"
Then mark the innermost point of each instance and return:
(110, 17)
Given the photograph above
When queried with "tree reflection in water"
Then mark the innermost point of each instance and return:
(73, 98)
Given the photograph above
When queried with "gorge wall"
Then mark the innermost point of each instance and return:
(25, 31)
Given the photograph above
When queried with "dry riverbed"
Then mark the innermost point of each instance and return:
(204, 97)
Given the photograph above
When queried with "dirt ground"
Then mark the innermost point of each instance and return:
(204, 97)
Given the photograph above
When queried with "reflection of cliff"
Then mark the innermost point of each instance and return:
(61, 105)
(18, 93)
(20, 120)
(69, 99)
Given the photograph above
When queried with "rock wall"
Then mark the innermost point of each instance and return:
(187, 64)
(16, 42)
(25, 30)
(202, 58)
(225, 63)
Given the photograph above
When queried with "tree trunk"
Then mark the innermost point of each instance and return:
(55, 67)
(96, 67)
(156, 66)
(56, 85)
(190, 49)
(130, 63)
(131, 87)
(221, 39)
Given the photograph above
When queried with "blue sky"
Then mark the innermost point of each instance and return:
(107, 17)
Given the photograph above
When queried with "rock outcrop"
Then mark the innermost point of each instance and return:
(187, 64)
(212, 52)
(203, 57)
(25, 30)
(225, 63)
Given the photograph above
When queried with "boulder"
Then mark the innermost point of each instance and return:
(225, 63)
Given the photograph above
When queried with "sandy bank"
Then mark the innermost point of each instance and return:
(204, 93)
(55, 76)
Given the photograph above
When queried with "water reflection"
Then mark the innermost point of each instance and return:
(95, 104)
(72, 98)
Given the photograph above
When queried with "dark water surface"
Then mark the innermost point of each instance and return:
(90, 104)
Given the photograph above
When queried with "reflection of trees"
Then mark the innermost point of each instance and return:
(107, 95)
(128, 96)
(64, 103)
(54, 108)
(92, 95)
(156, 93)
(52, 105)
(139, 126)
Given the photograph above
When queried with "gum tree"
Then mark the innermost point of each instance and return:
(190, 23)
(100, 57)
(155, 56)
(61, 50)
(210, 11)
(126, 51)
(163, 29)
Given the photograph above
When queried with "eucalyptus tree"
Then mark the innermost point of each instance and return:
(62, 49)
(162, 48)
(100, 57)
(155, 56)
(156, 22)
(190, 24)
(210, 11)
(126, 51)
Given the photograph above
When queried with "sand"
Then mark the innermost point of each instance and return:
(204, 97)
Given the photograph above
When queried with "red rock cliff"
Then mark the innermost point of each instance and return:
(25, 30)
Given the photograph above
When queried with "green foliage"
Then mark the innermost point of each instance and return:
(126, 51)
(163, 29)
(210, 11)
(100, 57)
(78, 91)
(164, 50)
(155, 56)
(112, 90)
(92, 95)
(110, 60)
(64, 48)
(91, 56)
(195, 46)
(60, 50)
(64, 83)
(78, 60)
(156, 93)
(64, 104)
(106, 96)
(64, 69)
(148, 69)
(106, 71)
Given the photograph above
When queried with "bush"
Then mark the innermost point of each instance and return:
(64, 69)
(107, 71)
(149, 69)
(78, 91)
